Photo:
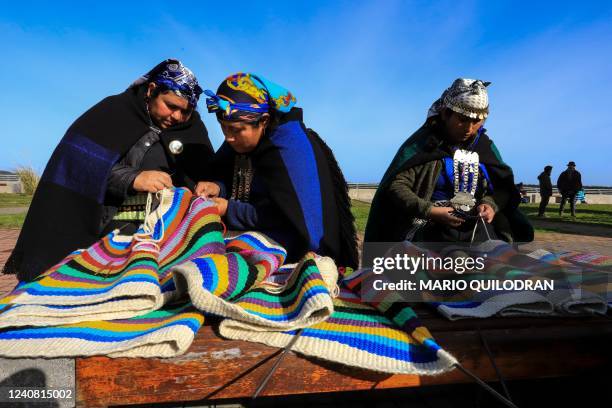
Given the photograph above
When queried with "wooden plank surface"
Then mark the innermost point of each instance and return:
(216, 369)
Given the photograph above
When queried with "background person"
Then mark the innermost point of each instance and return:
(545, 190)
(569, 183)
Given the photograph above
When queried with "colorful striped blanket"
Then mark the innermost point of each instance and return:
(582, 282)
(147, 295)
(580, 288)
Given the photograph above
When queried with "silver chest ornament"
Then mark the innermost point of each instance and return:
(465, 170)
(175, 147)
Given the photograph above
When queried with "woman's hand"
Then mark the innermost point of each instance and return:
(486, 212)
(207, 189)
(443, 215)
(152, 181)
(221, 204)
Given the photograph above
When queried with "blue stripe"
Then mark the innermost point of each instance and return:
(299, 159)
(209, 279)
(46, 291)
(457, 305)
(90, 334)
(81, 165)
(398, 350)
(287, 316)
(257, 244)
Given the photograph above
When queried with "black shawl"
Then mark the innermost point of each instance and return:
(304, 181)
(67, 207)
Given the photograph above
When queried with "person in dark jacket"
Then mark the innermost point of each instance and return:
(141, 141)
(276, 176)
(447, 182)
(569, 183)
(546, 190)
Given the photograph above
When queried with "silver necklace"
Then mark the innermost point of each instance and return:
(465, 179)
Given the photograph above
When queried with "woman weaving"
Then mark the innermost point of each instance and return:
(274, 175)
(447, 177)
(143, 140)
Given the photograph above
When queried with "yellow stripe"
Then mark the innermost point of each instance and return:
(221, 264)
(272, 310)
(122, 327)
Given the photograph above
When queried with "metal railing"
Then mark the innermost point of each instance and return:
(9, 177)
(529, 189)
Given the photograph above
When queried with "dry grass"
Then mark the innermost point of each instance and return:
(29, 178)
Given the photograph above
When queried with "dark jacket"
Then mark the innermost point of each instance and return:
(569, 181)
(405, 190)
(70, 205)
(302, 192)
(546, 189)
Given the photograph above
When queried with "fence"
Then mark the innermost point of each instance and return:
(594, 195)
(10, 183)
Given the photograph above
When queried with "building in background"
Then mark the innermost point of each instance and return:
(10, 183)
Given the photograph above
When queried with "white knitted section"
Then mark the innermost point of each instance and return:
(577, 302)
(341, 353)
(165, 342)
(37, 315)
(126, 300)
(532, 301)
(314, 310)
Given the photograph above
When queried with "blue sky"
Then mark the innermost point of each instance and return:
(365, 72)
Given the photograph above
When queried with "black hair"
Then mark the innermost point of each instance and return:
(162, 89)
(273, 121)
(158, 90)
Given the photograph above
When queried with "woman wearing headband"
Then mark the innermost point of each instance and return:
(448, 183)
(143, 140)
(276, 176)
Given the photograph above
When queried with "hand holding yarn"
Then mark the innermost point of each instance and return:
(152, 181)
(221, 204)
(207, 189)
(486, 212)
(444, 215)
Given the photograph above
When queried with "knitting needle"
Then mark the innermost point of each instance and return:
(276, 364)
(486, 386)
(493, 363)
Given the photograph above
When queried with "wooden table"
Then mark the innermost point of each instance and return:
(214, 369)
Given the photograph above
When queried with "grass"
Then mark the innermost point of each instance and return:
(360, 211)
(11, 220)
(14, 200)
(588, 213)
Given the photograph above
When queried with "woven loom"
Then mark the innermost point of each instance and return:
(147, 295)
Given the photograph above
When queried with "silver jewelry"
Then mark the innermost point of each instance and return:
(175, 147)
(242, 178)
(465, 179)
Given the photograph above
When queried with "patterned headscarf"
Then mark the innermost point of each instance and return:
(172, 75)
(246, 96)
(465, 96)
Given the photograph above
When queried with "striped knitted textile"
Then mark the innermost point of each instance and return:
(147, 295)
(119, 276)
(360, 335)
(580, 287)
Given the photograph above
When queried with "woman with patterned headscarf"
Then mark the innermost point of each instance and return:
(276, 176)
(143, 140)
(447, 177)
